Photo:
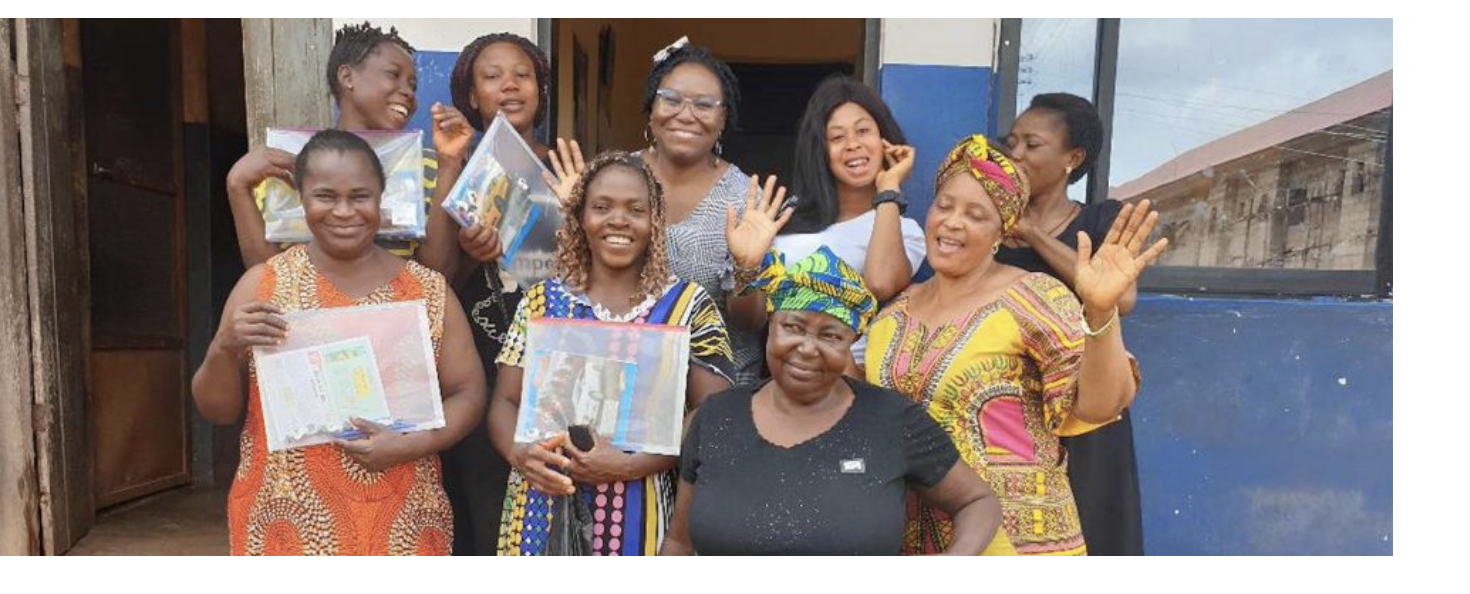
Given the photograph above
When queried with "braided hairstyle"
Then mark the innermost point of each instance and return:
(462, 79)
(574, 256)
(353, 44)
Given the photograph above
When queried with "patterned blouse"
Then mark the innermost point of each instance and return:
(1001, 381)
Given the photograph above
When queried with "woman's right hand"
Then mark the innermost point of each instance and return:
(751, 236)
(254, 324)
(535, 462)
(259, 164)
(568, 164)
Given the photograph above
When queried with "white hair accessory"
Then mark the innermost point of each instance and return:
(663, 54)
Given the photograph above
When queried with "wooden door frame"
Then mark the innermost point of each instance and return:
(56, 278)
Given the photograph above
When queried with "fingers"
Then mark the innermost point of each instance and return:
(751, 197)
(578, 165)
(784, 218)
(1116, 230)
(555, 158)
(1135, 219)
(1148, 258)
(481, 242)
(766, 194)
(1084, 249)
(1148, 221)
(773, 208)
(369, 428)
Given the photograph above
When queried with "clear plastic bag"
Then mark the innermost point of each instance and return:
(307, 396)
(624, 381)
(404, 213)
(502, 185)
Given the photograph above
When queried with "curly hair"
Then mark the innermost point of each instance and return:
(462, 79)
(353, 44)
(574, 256)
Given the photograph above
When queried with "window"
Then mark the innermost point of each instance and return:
(1263, 143)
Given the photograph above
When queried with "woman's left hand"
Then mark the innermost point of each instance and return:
(380, 448)
(1103, 277)
(601, 465)
(898, 165)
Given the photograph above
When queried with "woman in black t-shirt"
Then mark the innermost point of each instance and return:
(811, 462)
(1056, 141)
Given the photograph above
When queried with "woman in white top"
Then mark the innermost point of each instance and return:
(851, 158)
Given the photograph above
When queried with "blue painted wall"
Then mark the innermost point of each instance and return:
(1265, 427)
(434, 70)
(936, 106)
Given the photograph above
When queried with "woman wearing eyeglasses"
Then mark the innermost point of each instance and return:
(691, 99)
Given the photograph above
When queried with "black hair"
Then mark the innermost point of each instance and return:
(462, 79)
(812, 182)
(693, 54)
(337, 141)
(353, 44)
(1084, 126)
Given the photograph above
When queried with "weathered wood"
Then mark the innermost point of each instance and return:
(20, 514)
(56, 283)
(285, 74)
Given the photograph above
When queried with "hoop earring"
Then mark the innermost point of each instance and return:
(995, 250)
(648, 136)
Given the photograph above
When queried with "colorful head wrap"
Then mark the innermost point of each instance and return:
(1002, 180)
(821, 283)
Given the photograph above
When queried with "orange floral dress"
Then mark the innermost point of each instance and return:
(317, 500)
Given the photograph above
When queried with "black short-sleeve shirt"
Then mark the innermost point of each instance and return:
(841, 492)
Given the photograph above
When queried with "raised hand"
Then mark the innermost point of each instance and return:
(451, 133)
(567, 163)
(750, 235)
(898, 165)
(1104, 276)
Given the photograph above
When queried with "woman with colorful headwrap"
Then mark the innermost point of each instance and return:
(1009, 361)
(812, 462)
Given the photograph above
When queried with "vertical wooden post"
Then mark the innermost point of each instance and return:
(20, 513)
(56, 248)
(285, 74)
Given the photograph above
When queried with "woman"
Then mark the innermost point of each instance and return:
(692, 99)
(814, 462)
(1056, 142)
(372, 79)
(500, 73)
(378, 495)
(850, 164)
(1008, 361)
(613, 267)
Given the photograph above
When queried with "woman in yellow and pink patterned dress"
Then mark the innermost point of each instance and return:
(1005, 360)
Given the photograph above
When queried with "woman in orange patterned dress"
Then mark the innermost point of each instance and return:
(378, 495)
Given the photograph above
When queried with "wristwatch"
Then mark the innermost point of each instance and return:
(893, 196)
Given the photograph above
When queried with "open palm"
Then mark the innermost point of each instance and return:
(1105, 275)
(567, 163)
(751, 234)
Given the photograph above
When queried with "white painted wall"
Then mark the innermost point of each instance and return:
(445, 35)
(940, 42)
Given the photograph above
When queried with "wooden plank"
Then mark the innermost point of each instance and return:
(56, 283)
(285, 74)
(20, 515)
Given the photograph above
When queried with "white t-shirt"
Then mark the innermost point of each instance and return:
(849, 241)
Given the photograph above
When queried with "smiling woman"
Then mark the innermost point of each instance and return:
(373, 80)
(614, 267)
(378, 495)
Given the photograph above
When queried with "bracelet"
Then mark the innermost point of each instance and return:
(1087, 330)
(744, 277)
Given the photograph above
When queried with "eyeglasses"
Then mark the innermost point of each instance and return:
(672, 102)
